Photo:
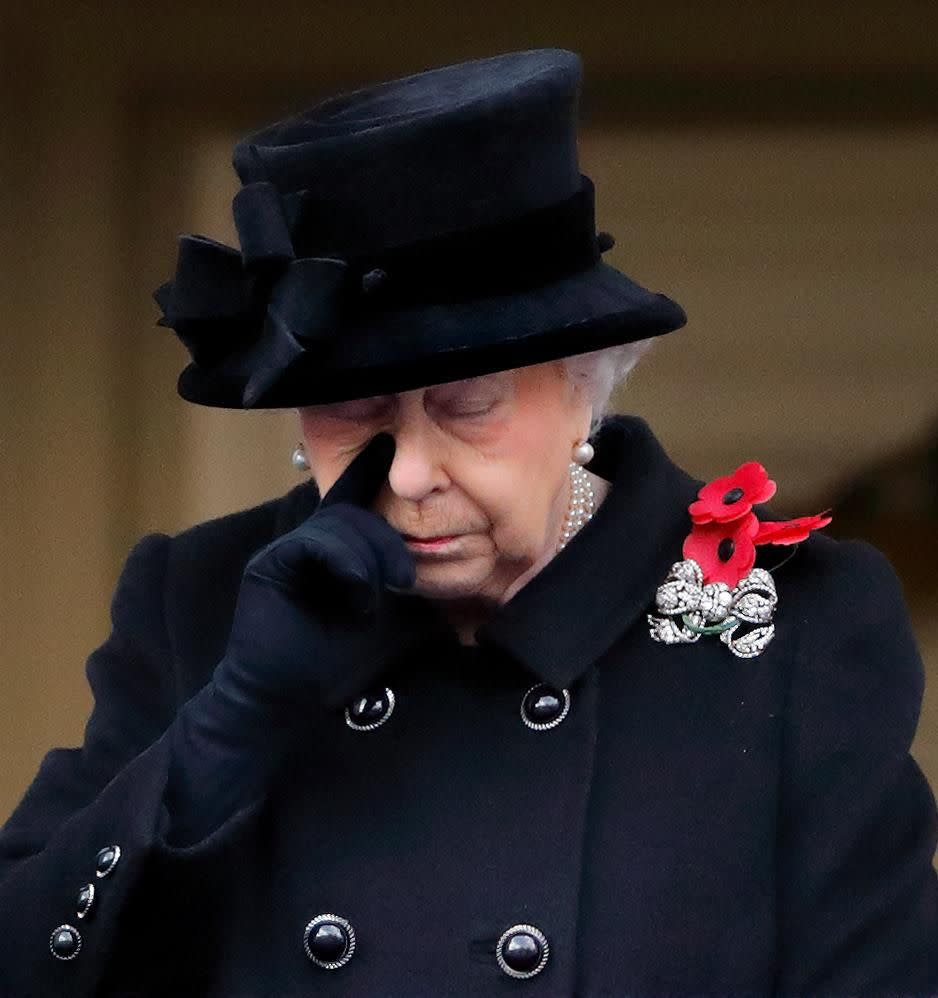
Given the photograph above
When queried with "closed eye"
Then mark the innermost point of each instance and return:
(472, 397)
(470, 409)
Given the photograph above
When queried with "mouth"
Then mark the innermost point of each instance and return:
(439, 543)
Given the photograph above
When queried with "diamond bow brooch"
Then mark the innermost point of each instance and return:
(716, 590)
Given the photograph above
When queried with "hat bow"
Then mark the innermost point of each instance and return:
(262, 302)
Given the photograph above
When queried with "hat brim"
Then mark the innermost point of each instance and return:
(405, 348)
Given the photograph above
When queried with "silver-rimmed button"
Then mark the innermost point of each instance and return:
(370, 710)
(85, 900)
(107, 859)
(544, 707)
(522, 951)
(65, 942)
(329, 941)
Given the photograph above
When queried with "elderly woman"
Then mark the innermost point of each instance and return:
(512, 708)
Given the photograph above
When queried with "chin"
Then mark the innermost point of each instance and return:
(449, 581)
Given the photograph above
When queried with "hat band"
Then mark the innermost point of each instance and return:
(512, 255)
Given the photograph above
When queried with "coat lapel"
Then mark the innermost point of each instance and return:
(595, 589)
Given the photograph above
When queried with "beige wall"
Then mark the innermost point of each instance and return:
(801, 243)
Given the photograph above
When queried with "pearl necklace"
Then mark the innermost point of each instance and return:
(582, 504)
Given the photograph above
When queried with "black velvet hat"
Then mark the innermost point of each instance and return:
(404, 234)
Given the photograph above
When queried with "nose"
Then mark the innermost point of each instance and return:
(417, 469)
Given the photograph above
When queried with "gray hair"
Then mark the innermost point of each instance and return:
(598, 373)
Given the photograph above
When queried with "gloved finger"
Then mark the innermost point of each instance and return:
(355, 588)
(325, 588)
(397, 566)
(362, 558)
(351, 546)
(309, 553)
(343, 541)
(361, 481)
(390, 562)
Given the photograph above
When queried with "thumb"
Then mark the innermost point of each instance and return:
(361, 481)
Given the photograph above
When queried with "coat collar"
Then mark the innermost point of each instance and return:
(569, 614)
(592, 591)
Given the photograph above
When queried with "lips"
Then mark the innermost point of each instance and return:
(428, 540)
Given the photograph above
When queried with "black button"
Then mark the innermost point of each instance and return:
(734, 495)
(65, 942)
(370, 710)
(544, 706)
(108, 858)
(329, 941)
(85, 900)
(522, 951)
(374, 280)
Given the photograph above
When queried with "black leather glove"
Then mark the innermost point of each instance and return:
(314, 623)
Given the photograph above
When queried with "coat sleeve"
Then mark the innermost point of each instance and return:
(858, 897)
(108, 793)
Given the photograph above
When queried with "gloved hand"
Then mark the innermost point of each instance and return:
(314, 609)
(314, 624)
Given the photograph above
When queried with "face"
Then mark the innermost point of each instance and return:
(481, 461)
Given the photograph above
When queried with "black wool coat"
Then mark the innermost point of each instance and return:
(696, 823)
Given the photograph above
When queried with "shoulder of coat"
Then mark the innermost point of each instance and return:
(848, 582)
(236, 535)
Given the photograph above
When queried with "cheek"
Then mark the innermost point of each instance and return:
(329, 452)
(517, 492)
(528, 480)
(528, 448)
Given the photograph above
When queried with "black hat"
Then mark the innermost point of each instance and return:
(407, 233)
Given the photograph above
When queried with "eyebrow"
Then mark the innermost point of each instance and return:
(479, 380)
(494, 378)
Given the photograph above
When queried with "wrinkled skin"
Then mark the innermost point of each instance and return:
(486, 458)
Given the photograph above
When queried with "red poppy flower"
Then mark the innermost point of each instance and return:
(724, 551)
(732, 496)
(790, 531)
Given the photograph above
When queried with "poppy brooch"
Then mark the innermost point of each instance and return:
(715, 589)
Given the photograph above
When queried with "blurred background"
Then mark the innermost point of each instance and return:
(771, 165)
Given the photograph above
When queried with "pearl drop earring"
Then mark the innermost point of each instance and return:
(298, 458)
(583, 452)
